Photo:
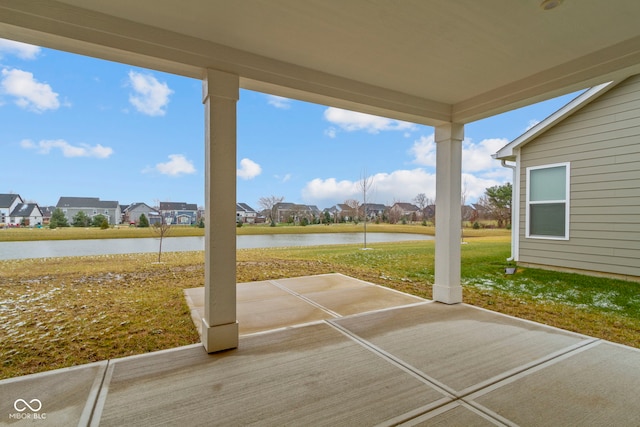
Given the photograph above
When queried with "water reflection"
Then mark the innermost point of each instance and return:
(61, 248)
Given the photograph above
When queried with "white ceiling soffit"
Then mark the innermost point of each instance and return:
(425, 61)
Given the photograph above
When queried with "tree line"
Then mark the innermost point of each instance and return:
(493, 206)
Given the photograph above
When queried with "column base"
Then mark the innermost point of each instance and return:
(447, 294)
(219, 337)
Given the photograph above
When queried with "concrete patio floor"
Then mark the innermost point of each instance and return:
(333, 350)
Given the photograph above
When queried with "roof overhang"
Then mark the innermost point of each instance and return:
(508, 152)
(426, 62)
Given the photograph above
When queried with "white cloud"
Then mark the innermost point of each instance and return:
(397, 186)
(331, 132)
(475, 157)
(424, 151)
(29, 93)
(284, 178)
(400, 185)
(150, 97)
(176, 166)
(480, 171)
(329, 189)
(473, 186)
(248, 169)
(531, 124)
(21, 50)
(352, 121)
(279, 102)
(68, 150)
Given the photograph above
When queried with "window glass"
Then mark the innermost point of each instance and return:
(547, 201)
(547, 219)
(548, 184)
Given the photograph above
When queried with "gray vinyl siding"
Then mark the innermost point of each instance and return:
(602, 144)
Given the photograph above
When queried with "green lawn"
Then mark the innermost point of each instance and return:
(67, 311)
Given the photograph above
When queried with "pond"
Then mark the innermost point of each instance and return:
(62, 248)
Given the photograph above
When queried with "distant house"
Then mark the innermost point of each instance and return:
(245, 214)
(291, 212)
(404, 211)
(26, 214)
(46, 214)
(8, 203)
(314, 211)
(332, 212)
(429, 213)
(91, 206)
(469, 213)
(131, 214)
(179, 213)
(373, 210)
(576, 198)
(341, 212)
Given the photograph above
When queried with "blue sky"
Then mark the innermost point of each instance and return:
(77, 126)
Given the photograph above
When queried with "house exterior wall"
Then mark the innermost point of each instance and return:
(601, 142)
(246, 217)
(134, 214)
(27, 214)
(6, 210)
(32, 220)
(113, 214)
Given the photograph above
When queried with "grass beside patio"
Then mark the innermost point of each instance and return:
(124, 232)
(67, 311)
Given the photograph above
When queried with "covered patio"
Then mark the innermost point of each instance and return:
(438, 63)
(333, 350)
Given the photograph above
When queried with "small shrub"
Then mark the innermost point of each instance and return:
(143, 221)
(98, 220)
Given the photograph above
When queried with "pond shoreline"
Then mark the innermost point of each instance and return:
(125, 232)
(64, 248)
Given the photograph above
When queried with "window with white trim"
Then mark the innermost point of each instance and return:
(547, 215)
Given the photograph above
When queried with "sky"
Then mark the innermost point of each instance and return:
(74, 126)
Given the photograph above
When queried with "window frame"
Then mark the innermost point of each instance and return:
(566, 201)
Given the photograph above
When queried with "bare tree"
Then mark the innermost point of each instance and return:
(463, 201)
(161, 229)
(354, 206)
(269, 204)
(422, 201)
(394, 213)
(498, 203)
(365, 185)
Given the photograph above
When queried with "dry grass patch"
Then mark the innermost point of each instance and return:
(79, 310)
(60, 312)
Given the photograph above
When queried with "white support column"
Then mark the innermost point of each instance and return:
(447, 288)
(220, 92)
